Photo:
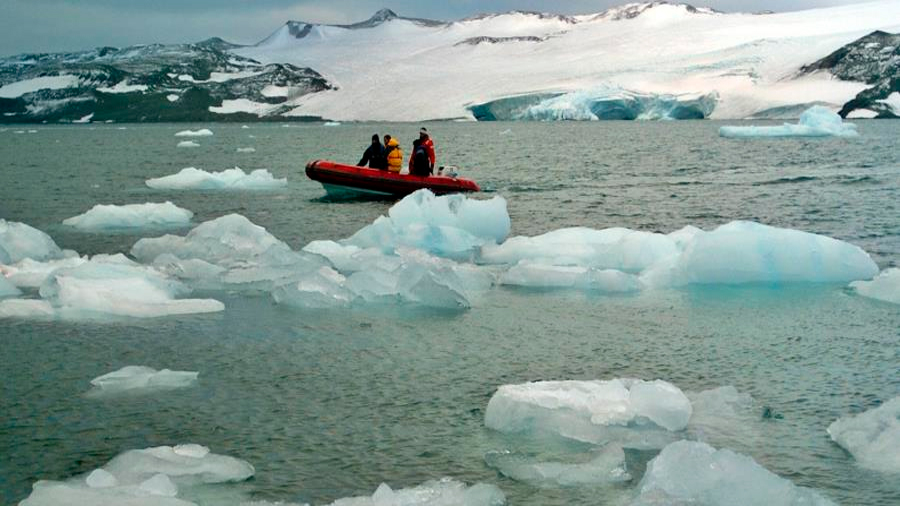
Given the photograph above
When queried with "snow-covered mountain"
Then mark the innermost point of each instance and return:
(639, 61)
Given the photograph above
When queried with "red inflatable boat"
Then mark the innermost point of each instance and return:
(340, 179)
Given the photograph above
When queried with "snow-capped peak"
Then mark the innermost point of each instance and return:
(633, 10)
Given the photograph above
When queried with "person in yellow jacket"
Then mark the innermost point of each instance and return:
(394, 156)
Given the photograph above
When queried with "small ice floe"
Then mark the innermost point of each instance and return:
(688, 472)
(84, 119)
(230, 179)
(817, 121)
(872, 437)
(451, 226)
(445, 491)
(187, 144)
(108, 287)
(203, 132)
(331, 123)
(244, 127)
(32, 131)
(885, 286)
(605, 466)
(633, 413)
(19, 241)
(140, 379)
(246, 150)
(131, 217)
(173, 97)
(151, 477)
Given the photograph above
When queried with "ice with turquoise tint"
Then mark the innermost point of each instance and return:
(817, 121)
(131, 216)
(872, 437)
(192, 178)
(688, 472)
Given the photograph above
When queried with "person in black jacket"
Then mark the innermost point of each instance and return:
(374, 155)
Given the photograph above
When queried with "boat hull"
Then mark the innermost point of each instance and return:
(341, 179)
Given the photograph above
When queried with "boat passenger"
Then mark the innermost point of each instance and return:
(419, 165)
(429, 145)
(374, 155)
(394, 156)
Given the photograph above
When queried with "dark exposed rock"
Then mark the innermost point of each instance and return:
(474, 41)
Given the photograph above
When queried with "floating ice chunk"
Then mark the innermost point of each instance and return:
(634, 413)
(443, 492)
(606, 466)
(687, 472)
(230, 179)
(26, 308)
(149, 477)
(203, 132)
(817, 121)
(8, 289)
(172, 97)
(872, 437)
(131, 216)
(19, 241)
(885, 286)
(330, 124)
(612, 248)
(187, 144)
(451, 226)
(29, 273)
(323, 288)
(723, 415)
(246, 150)
(538, 275)
(229, 251)
(748, 252)
(136, 378)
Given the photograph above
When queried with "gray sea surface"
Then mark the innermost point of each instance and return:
(329, 404)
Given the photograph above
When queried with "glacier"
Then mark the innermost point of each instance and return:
(817, 121)
(149, 477)
(687, 472)
(885, 286)
(872, 437)
(140, 379)
(191, 178)
(633, 413)
(599, 103)
(130, 217)
(445, 491)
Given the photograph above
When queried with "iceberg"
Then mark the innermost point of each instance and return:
(872, 437)
(187, 144)
(451, 226)
(19, 241)
(131, 216)
(817, 121)
(687, 472)
(604, 467)
(231, 179)
(885, 286)
(203, 132)
(149, 477)
(445, 491)
(103, 288)
(634, 413)
(136, 378)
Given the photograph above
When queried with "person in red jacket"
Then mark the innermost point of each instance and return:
(428, 144)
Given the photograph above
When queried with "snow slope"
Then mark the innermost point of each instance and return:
(438, 70)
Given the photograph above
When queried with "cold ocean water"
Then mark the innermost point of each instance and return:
(328, 404)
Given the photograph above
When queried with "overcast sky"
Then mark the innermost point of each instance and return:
(66, 25)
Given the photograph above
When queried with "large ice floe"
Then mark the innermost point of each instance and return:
(130, 217)
(633, 413)
(687, 472)
(192, 178)
(873, 437)
(159, 476)
(817, 121)
(443, 492)
(140, 379)
(885, 286)
(734, 253)
(106, 286)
